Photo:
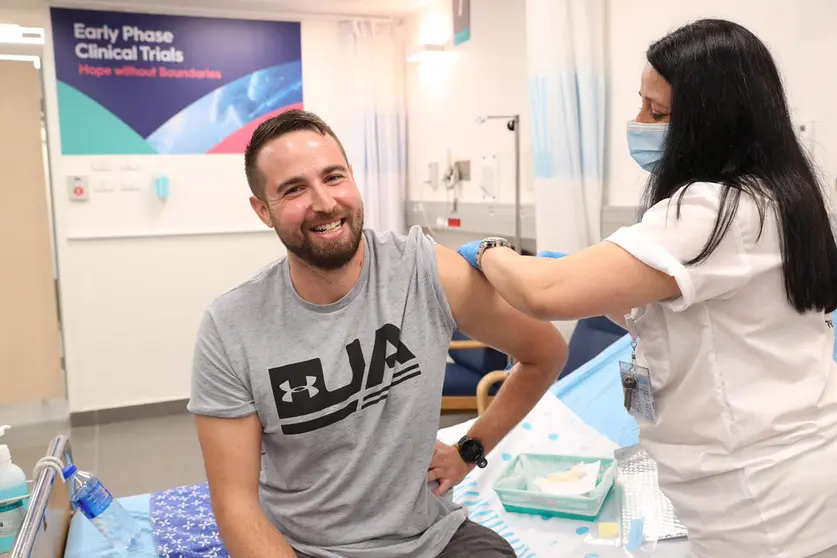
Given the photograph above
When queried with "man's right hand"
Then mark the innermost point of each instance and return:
(447, 468)
(232, 450)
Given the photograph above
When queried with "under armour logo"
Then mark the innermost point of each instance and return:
(290, 391)
(288, 379)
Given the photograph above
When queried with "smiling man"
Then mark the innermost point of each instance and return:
(332, 360)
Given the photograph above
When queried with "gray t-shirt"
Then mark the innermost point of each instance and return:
(349, 397)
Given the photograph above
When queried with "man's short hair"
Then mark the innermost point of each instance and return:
(289, 121)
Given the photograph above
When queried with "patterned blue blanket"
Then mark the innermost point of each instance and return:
(183, 524)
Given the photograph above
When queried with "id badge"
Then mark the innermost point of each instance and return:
(641, 400)
(636, 382)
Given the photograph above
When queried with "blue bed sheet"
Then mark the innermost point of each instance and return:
(594, 393)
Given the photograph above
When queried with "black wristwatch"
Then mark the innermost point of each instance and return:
(472, 451)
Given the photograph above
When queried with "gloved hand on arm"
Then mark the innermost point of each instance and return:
(469, 251)
(548, 254)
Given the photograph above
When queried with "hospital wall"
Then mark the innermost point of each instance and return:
(483, 76)
(487, 74)
(131, 306)
(801, 35)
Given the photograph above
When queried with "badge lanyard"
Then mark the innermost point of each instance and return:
(636, 381)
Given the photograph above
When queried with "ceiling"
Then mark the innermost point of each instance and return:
(321, 7)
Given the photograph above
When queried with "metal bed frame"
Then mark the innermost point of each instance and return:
(47, 519)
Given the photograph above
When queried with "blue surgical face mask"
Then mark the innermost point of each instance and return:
(646, 143)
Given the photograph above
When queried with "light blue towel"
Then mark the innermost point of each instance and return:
(594, 393)
(84, 541)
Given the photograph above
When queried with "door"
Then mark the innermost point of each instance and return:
(30, 342)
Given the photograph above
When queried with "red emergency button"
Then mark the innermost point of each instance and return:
(78, 190)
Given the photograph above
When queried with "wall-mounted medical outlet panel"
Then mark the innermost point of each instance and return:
(486, 219)
(432, 175)
(480, 218)
(78, 188)
(464, 168)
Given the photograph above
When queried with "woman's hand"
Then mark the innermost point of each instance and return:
(553, 255)
(469, 252)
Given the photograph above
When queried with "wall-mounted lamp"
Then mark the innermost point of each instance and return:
(426, 52)
(16, 34)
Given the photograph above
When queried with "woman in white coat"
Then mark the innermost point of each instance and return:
(729, 278)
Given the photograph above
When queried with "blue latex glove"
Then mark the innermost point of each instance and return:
(469, 252)
(548, 254)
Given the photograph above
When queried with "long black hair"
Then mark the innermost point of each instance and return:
(730, 124)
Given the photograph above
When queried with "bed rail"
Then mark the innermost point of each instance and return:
(48, 513)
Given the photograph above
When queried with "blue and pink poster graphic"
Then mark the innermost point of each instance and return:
(158, 84)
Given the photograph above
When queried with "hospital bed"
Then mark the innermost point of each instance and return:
(581, 415)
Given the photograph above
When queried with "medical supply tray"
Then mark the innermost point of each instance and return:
(512, 486)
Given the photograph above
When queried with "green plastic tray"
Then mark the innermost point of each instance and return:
(512, 487)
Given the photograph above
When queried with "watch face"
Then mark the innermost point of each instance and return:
(471, 451)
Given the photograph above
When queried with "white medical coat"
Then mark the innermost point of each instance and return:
(745, 387)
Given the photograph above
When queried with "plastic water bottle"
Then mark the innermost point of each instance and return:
(98, 505)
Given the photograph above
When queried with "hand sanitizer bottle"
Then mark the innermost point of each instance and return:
(13, 495)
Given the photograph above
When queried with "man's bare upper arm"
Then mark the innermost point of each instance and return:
(482, 314)
(232, 450)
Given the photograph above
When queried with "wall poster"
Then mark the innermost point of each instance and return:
(131, 83)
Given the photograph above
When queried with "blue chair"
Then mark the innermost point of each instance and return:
(472, 361)
(590, 337)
